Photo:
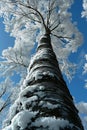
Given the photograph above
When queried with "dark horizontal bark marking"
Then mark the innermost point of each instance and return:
(43, 61)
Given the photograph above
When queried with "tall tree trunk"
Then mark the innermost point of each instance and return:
(46, 93)
(54, 99)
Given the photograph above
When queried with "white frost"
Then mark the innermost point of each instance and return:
(22, 119)
(52, 123)
(82, 107)
(49, 105)
(85, 69)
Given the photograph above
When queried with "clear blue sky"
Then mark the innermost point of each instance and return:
(77, 84)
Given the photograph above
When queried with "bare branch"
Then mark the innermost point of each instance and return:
(55, 26)
(48, 14)
(61, 37)
(51, 8)
(29, 15)
(3, 92)
(6, 103)
(36, 13)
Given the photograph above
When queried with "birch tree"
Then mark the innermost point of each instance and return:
(44, 101)
(27, 21)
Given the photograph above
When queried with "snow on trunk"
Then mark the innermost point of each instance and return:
(44, 102)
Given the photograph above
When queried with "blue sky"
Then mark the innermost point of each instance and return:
(5, 39)
(76, 86)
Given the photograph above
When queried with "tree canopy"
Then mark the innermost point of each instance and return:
(23, 18)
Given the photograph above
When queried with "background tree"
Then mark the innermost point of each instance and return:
(20, 19)
(8, 93)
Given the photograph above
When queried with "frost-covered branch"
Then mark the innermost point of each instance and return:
(82, 107)
(84, 12)
(8, 94)
(5, 104)
(4, 101)
(85, 70)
